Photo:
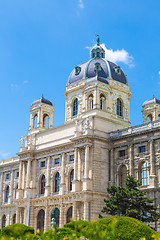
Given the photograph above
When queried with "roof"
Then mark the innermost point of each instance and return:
(98, 66)
(42, 100)
(151, 101)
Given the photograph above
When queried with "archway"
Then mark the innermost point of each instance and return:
(40, 220)
(55, 214)
(69, 215)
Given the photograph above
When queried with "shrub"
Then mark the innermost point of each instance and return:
(17, 230)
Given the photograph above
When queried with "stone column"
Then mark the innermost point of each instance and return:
(48, 185)
(79, 164)
(131, 160)
(62, 184)
(20, 176)
(112, 167)
(11, 188)
(1, 188)
(18, 215)
(74, 183)
(28, 177)
(75, 163)
(86, 180)
(86, 170)
(74, 211)
(86, 211)
(23, 175)
(46, 220)
(152, 178)
(61, 217)
(34, 178)
(152, 163)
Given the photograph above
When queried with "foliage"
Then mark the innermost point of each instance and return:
(17, 230)
(130, 201)
(110, 228)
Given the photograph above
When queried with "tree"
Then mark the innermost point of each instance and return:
(130, 201)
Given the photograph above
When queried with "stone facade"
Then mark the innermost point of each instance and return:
(68, 168)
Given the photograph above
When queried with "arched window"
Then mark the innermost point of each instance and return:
(16, 191)
(122, 176)
(149, 118)
(46, 121)
(119, 108)
(3, 221)
(55, 214)
(42, 185)
(7, 194)
(90, 101)
(75, 107)
(14, 218)
(102, 102)
(144, 174)
(69, 215)
(57, 182)
(40, 220)
(35, 121)
(71, 178)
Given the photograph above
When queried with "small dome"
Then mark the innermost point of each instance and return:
(42, 100)
(97, 68)
(151, 101)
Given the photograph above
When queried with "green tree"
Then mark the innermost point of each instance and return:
(130, 201)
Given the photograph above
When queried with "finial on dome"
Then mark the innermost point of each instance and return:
(98, 39)
(42, 95)
(153, 96)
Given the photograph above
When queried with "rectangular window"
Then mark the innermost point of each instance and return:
(71, 158)
(43, 163)
(56, 161)
(8, 176)
(142, 149)
(17, 174)
(122, 153)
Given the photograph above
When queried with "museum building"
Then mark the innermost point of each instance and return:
(68, 168)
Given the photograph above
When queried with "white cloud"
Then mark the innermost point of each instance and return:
(117, 55)
(80, 4)
(14, 85)
(5, 155)
(25, 82)
(159, 73)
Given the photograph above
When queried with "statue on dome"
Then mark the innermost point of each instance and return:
(98, 39)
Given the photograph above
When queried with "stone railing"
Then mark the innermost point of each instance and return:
(134, 130)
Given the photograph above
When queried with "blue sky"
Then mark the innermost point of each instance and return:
(42, 41)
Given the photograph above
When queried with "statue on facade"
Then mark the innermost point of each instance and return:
(53, 223)
(98, 39)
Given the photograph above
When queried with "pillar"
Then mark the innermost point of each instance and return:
(11, 188)
(62, 184)
(28, 174)
(20, 176)
(86, 180)
(152, 178)
(79, 164)
(34, 178)
(18, 215)
(23, 175)
(61, 217)
(75, 181)
(75, 163)
(48, 186)
(131, 160)
(86, 170)
(74, 215)
(1, 188)
(112, 167)
(86, 211)
(46, 224)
